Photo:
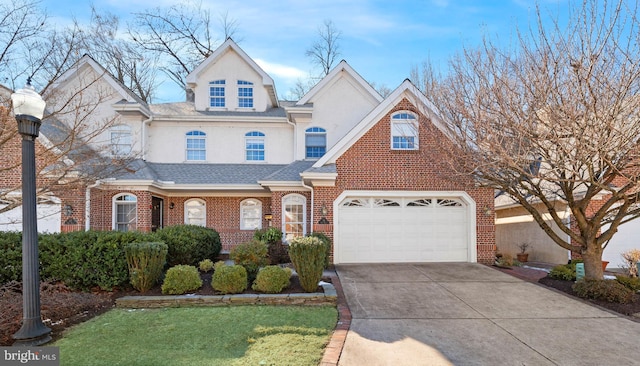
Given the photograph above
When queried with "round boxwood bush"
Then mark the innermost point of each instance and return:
(230, 279)
(181, 279)
(189, 244)
(271, 280)
(252, 255)
(606, 290)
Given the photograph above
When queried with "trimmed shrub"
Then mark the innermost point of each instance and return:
(11, 258)
(251, 255)
(563, 272)
(230, 279)
(268, 236)
(606, 290)
(146, 261)
(307, 255)
(327, 247)
(632, 283)
(271, 280)
(205, 265)
(87, 259)
(189, 244)
(181, 279)
(218, 264)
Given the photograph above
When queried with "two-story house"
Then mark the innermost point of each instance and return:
(343, 160)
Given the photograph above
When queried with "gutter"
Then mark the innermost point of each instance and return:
(144, 134)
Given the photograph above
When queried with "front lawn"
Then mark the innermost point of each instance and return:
(238, 335)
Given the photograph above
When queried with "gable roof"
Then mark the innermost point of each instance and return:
(229, 44)
(87, 61)
(406, 90)
(343, 66)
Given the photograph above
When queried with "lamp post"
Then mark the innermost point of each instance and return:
(28, 108)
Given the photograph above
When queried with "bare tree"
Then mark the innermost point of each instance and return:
(74, 146)
(180, 35)
(325, 51)
(556, 118)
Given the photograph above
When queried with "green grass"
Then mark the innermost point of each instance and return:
(240, 335)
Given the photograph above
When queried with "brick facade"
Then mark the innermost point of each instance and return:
(370, 164)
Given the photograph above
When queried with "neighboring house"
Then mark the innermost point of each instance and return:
(342, 160)
(515, 225)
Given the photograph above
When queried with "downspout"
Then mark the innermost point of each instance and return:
(567, 211)
(144, 133)
(87, 205)
(295, 140)
(312, 206)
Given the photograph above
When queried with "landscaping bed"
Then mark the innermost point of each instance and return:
(624, 309)
(62, 307)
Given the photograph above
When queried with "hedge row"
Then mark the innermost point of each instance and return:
(89, 259)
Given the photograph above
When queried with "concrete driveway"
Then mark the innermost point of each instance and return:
(471, 314)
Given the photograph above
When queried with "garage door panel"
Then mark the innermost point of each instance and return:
(408, 229)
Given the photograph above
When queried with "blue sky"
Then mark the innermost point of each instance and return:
(381, 39)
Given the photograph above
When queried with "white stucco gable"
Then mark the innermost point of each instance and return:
(406, 90)
(229, 63)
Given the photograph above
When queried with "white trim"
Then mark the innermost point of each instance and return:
(405, 90)
(472, 252)
(204, 211)
(114, 211)
(304, 213)
(343, 66)
(242, 226)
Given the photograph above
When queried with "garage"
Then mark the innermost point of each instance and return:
(397, 227)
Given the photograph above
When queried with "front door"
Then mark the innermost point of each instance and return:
(157, 205)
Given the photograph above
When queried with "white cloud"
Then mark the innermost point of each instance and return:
(280, 71)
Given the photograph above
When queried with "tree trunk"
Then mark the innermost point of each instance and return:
(592, 258)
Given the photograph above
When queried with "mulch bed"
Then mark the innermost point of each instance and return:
(624, 309)
(62, 307)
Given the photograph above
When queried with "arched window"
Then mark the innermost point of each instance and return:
(125, 207)
(196, 146)
(294, 216)
(315, 140)
(250, 214)
(404, 131)
(216, 94)
(254, 146)
(195, 212)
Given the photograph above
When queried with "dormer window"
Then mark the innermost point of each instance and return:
(216, 94)
(245, 94)
(404, 131)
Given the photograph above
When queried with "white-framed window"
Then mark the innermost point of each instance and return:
(195, 212)
(250, 214)
(294, 216)
(254, 146)
(196, 146)
(120, 140)
(245, 94)
(315, 140)
(216, 94)
(404, 131)
(125, 207)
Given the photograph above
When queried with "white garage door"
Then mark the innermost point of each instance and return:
(402, 229)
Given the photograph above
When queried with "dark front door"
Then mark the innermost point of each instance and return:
(157, 205)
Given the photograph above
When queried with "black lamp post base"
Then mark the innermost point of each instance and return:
(32, 333)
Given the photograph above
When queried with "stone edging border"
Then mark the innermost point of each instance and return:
(328, 297)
